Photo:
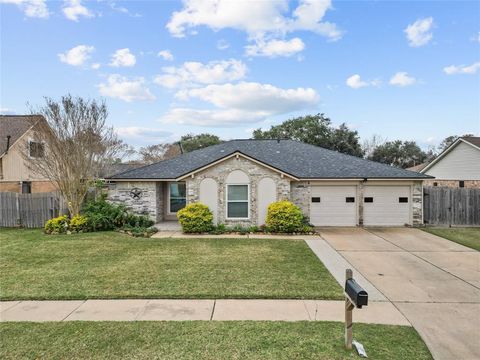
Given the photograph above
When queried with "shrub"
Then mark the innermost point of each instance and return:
(219, 229)
(78, 223)
(195, 218)
(58, 225)
(103, 215)
(284, 217)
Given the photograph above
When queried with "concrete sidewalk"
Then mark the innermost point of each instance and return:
(177, 310)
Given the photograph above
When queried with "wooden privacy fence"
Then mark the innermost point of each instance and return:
(29, 210)
(451, 206)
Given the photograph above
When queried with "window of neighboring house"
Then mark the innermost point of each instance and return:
(26, 187)
(368, 199)
(403, 199)
(350, 199)
(461, 183)
(36, 149)
(435, 184)
(1, 168)
(177, 197)
(237, 201)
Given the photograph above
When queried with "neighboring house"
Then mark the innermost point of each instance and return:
(16, 136)
(456, 166)
(238, 179)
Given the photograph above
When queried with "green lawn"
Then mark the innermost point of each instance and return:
(112, 265)
(465, 236)
(204, 340)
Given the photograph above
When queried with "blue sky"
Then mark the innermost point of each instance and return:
(402, 70)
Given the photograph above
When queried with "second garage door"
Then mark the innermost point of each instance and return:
(386, 205)
(333, 206)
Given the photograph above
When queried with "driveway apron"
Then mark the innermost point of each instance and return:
(434, 282)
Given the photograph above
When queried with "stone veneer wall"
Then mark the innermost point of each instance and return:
(300, 192)
(417, 203)
(145, 205)
(220, 172)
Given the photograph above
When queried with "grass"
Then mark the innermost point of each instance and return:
(204, 340)
(469, 237)
(112, 265)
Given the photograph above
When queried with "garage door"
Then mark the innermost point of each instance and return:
(333, 206)
(386, 205)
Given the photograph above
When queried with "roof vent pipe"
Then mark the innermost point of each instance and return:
(8, 144)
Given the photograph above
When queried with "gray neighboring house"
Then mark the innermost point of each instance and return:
(238, 179)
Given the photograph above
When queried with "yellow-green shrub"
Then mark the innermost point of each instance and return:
(78, 223)
(284, 217)
(195, 218)
(58, 225)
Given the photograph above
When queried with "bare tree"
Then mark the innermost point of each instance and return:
(154, 153)
(369, 145)
(72, 143)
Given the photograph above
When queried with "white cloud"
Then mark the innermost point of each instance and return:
(6, 111)
(253, 96)
(419, 33)
(356, 82)
(142, 132)
(77, 55)
(123, 57)
(31, 8)
(257, 18)
(165, 55)
(222, 44)
(274, 48)
(73, 10)
(123, 10)
(462, 69)
(196, 73)
(125, 89)
(214, 118)
(402, 79)
(235, 104)
(96, 66)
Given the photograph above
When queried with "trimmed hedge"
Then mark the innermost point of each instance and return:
(195, 218)
(285, 217)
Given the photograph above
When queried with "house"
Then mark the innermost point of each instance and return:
(16, 137)
(457, 166)
(238, 179)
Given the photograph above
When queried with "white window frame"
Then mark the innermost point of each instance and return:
(227, 201)
(29, 148)
(168, 195)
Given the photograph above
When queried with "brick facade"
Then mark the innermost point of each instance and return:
(472, 184)
(37, 186)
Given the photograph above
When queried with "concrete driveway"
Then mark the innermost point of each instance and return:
(434, 282)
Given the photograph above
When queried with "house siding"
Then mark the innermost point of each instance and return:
(461, 163)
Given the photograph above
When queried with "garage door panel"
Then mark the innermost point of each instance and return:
(333, 209)
(386, 208)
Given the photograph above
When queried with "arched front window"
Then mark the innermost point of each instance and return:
(238, 195)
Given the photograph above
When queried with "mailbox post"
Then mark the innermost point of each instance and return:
(355, 296)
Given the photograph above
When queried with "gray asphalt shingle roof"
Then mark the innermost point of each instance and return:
(291, 157)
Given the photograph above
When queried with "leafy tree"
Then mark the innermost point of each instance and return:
(315, 130)
(192, 142)
(77, 145)
(399, 153)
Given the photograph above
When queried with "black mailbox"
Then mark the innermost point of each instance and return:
(357, 295)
